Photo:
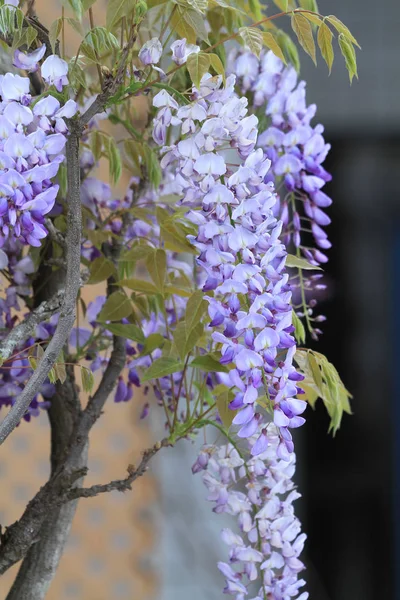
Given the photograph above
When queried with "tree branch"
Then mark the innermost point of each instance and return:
(121, 485)
(24, 329)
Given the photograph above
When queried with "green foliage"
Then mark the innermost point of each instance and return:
(325, 37)
(114, 160)
(100, 270)
(156, 264)
(161, 367)
(77, 7)
(11, 20)
(198, 65)
(348, 52)
(209, 363)
(323, 381)
(253, 39)
(116, 10)
(300, 263)
(128, 331)
(97, 42)
(299, 331)
(87, 379)
(116, 307)
(302, 28)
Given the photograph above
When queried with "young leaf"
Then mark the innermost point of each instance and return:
(217, 65)
(270, 42)
(195, 309)
(198, 65)
(196, 22)
(87, 380)
(325, 36)
(289, 49)
(59, 368)
(299, 331)
(77, 7)
(314, 19)
(198, 5)
(156, 264)
(349, 54)
(152, 166)
(309, 5)
(226, 414)
(304, 32)
(300, 263)
(161, 367)
(114, 158)
(139, 285)
(129, 331)
(152, 342)
(116, 9)
(341, 28)
(100, 270)
(209, 364)
(97, 42)
(253, 39)
(117, 307)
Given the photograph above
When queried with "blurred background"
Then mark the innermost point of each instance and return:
(162, 541)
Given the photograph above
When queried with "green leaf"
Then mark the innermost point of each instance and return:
(100, 270)
(156, 264)
(349, 54)
(315, 370)
(198, 64)
(256, 9)
(96, 144)
(325, 37)
(217, 65)
(100, 40)
(117, 307)
(289, 49)
(271, 42)
(341, 28)
(76, 26)
(76, 75)
(152, 166)
(86, 4)
(115, 162)
(116, 9)
(322, 380)
(196, 22)
(198, 5)
(195, 309)
(314, 19)
(87, 380)
(152, 342)
(139, 285)
(309, 5)
(59, 368)
(129, 331)
(226, 414)
(136, 253)
(302, 28)
(161, 367)
(11, 20)
(209, 364)
(77, 7)
(253, 39)
(300, 263)
(299, 331)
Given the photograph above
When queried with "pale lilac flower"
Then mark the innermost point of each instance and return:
(29, 62)
(54, 71)
(150, 53)
(181, 50)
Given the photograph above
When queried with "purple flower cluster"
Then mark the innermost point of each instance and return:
(17, 370)
(218, 170)
(296, 149)
(32, 139)
(259, 493)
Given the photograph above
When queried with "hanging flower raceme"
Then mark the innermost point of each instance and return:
(297, 151)
(259, 493)
(240, 253)
(32, 139)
